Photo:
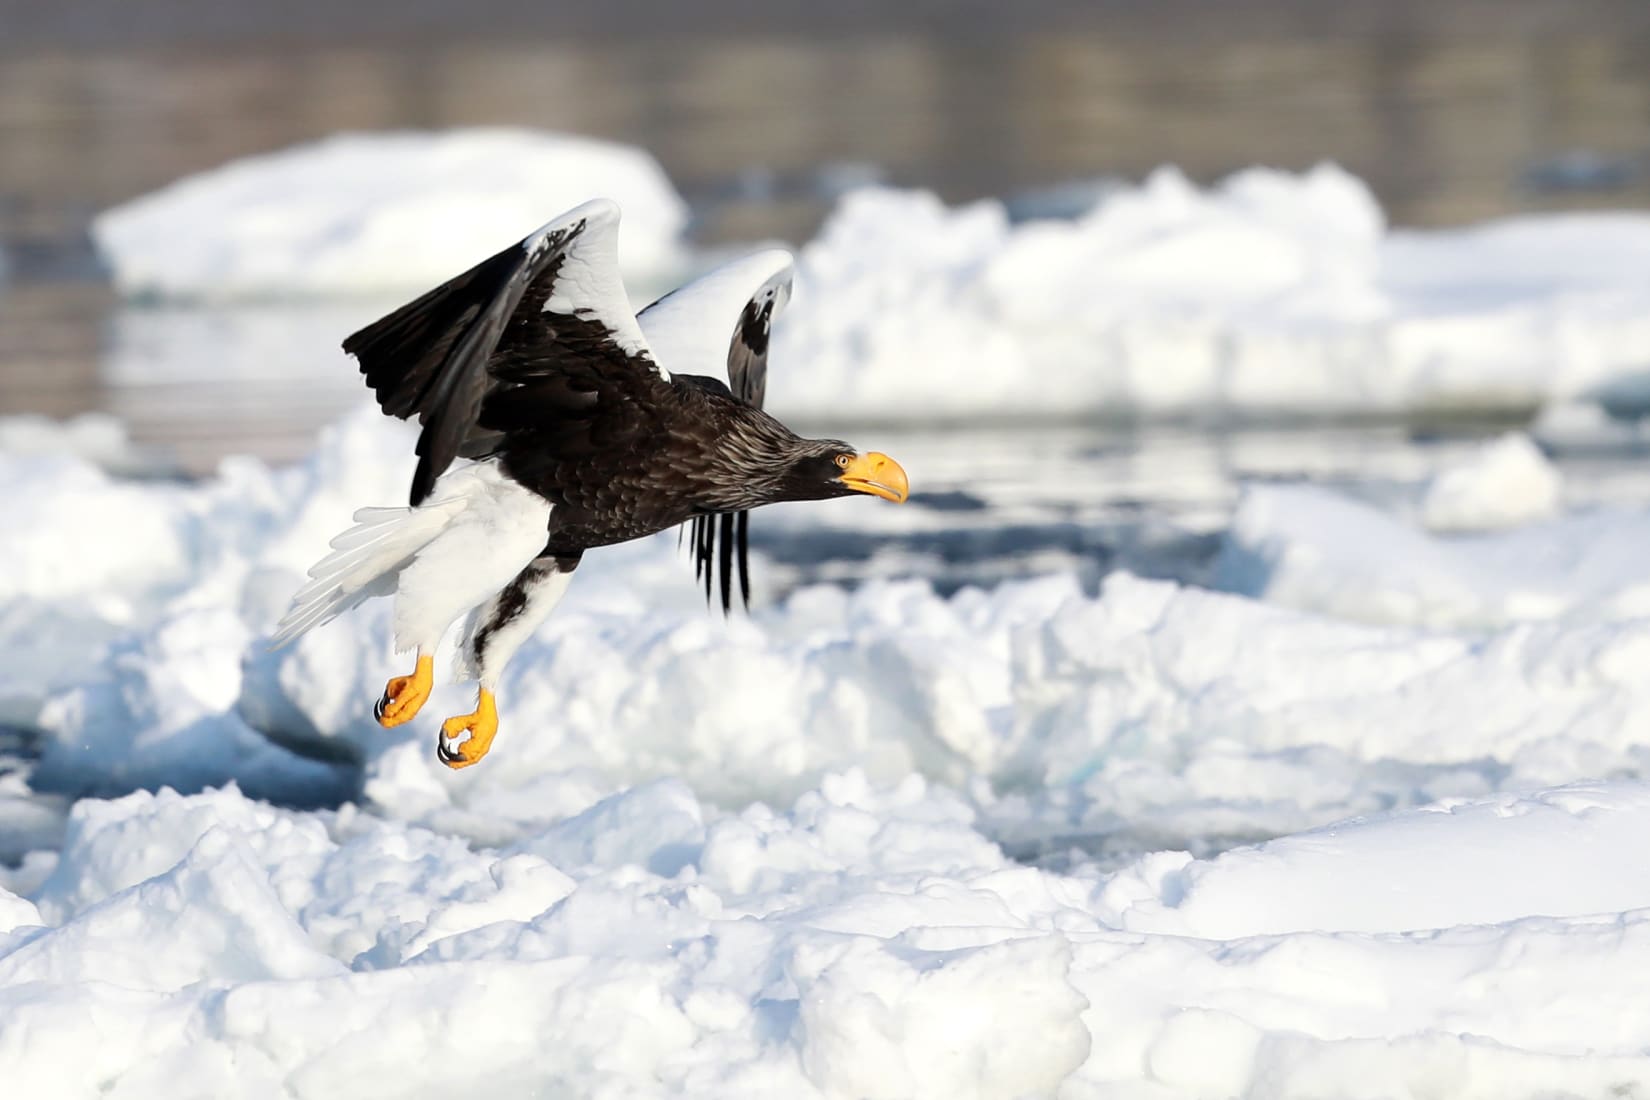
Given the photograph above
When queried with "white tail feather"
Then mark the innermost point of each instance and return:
(365, 562)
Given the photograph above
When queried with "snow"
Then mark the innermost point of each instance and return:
(858, 943)
(1509, 482)
(1270, 293)
(99, 437)
(876, 842)
(1359, 814)
(376, 213)
(1313, 548)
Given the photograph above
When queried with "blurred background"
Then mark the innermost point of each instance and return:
(763, 117)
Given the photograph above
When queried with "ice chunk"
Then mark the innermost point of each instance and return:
(1269, 293)
(1507, 483)
(216, 940)
(1312, 548)
(380, 212)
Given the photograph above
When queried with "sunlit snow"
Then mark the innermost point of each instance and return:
(1353, 809)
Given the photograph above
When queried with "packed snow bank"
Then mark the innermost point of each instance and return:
(1313, 548)
(864, 942)
(777, 856)
(1150, 714)
(1508, 482)
(97, 437)
(367, 214)
(1270, 293)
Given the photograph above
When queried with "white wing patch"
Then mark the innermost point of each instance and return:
(690, 329)
(588, 283)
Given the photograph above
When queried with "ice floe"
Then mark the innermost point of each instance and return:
(859, 941)
(1508, 482)
(1338, 829)
(876, 842)
(1149, 713)
(1313, 548)
(1271, 293)
(97, 437)
(372, 213)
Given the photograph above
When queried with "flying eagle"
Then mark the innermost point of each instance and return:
(582, 426)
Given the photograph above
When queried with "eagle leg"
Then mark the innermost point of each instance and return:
(404, 696)
(481, 725)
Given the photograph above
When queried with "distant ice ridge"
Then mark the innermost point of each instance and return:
(97, 437)
(862, 941)
(380, 213)
(1271, 293)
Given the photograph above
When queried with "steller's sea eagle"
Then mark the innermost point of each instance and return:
(582, 429)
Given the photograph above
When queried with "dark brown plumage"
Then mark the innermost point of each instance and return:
(503, 362)
(533, 364)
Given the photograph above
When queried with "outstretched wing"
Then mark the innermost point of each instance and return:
(688, 330)
(542, 330)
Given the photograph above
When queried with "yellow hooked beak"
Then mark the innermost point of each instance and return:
(875, 473)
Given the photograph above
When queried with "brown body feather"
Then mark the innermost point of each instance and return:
(497, 363)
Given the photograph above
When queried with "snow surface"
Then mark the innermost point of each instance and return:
(1509, 482)
(1271, 293)
(1312, 548)
(858, 943)
(877, 843)
(375, 213)
(98, 437)
(1268, 294)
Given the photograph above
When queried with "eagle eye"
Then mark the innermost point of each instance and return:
(843, 460)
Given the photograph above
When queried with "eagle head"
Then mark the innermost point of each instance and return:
(822, 468)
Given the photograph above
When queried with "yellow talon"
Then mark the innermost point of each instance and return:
(404, 696)
(481, 725)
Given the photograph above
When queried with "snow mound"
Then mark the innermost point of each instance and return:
(864, 942)
(360, 214)
(1149, 714)
(877, 843)
(1507, 483)
(1312, 548)
(1270, 293)
(97, 437)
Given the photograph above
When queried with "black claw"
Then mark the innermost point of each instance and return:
(378, 707)
(441, 752)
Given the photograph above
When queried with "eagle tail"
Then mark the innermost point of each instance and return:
(365, 562)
